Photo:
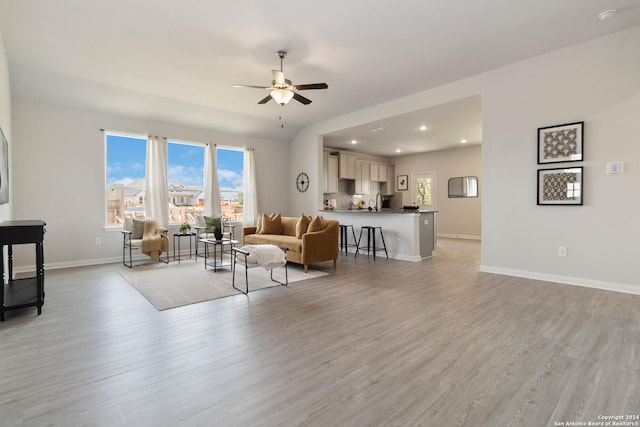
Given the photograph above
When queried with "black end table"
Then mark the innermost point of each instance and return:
(28, 292)
(179, 236)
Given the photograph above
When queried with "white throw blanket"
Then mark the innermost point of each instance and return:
(266, 256)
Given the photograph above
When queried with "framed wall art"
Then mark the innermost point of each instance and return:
(402, 182)
(4, 169)
(562, 186)
(560, 143)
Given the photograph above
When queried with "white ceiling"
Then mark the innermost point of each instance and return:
(446, 126)
(176, 61)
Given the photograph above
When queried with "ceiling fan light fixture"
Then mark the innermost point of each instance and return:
(282, 96)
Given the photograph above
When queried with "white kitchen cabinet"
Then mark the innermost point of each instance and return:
(388, 186)
(379, 172)
(330, 167)
(347, 166)
(362, 178)
(383, 174)
(332, 175)
(374, 172)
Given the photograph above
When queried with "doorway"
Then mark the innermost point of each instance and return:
(423, 190)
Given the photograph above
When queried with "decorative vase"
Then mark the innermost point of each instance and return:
(217, 232)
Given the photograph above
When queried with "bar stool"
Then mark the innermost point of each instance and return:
(344, 238)
(371, 240)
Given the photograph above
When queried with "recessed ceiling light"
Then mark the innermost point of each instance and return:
(398, 150)
(463, 141)
(604, 15)
(353, 141)
(423, 128)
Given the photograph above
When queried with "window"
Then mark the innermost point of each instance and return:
(230, 165)
(126, 163)
(424, 190)
(125, 180)
(186, 181)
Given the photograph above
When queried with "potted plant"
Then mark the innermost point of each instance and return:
(185, 227)
(215, 224)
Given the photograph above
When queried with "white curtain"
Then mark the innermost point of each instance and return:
(250, 208)
(157, 192)
(211, 186)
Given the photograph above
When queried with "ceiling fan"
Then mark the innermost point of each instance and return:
(282, 90)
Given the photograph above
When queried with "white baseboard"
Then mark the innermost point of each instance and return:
(459, 236)
(566, 280)
(95, 261)
(400, 257)
(413, 258)
(68, 264)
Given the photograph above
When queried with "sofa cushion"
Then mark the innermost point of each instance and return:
(317, 224)
(259, 221)
(271, 224)
(289, 242)
(301, 225)
(289, 226)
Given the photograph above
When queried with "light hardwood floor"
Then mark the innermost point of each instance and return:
(433, 343)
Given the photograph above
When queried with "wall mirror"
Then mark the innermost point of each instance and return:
(463, 186)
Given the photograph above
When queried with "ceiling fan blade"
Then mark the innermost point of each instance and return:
(252, 86)
(300, 98)
(312, 86)
(265, 99)
(278, 77)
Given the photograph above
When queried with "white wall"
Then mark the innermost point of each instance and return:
(5, 122)
(60, 176)
(458, 217)
(592, 82)
(597, 82)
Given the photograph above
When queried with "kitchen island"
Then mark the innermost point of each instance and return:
(408, 234)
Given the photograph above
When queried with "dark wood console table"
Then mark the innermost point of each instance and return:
(28, 292)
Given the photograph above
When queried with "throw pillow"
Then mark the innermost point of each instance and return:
(271, 224)
(302, 225)
(259, 224)
(138, 228)
(317, 224)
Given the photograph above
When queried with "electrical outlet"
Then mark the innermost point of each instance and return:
(562, 251)
(98, 241)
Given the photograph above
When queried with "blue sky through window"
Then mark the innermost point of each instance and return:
(186, 165)
(126, 159)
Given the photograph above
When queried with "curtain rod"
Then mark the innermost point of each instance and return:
(115, 132)
(130, 134)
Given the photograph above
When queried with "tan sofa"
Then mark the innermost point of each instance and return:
(314, 247)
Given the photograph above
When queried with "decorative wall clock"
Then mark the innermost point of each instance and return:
(302, 182)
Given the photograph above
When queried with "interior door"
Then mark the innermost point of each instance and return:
(423, 190)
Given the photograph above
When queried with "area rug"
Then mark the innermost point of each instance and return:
(173, 285)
